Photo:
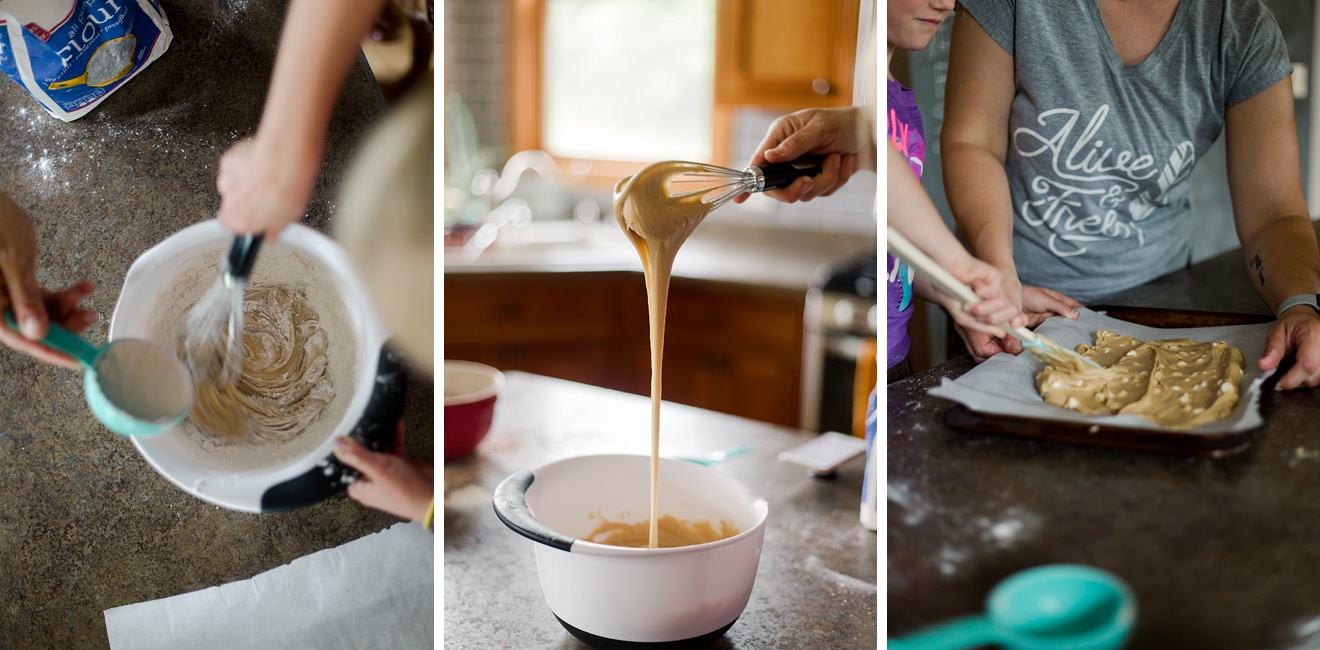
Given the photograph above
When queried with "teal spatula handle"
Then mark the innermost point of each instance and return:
(63, 340)
(967, 632)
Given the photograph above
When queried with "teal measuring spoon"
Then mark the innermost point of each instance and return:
(716, 457)
(134, 387)
(1051, 607)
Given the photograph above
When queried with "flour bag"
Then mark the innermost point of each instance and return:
(71, 54)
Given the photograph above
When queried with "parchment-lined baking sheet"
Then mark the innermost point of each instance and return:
(1005, 384)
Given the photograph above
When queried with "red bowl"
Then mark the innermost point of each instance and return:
(470, 393)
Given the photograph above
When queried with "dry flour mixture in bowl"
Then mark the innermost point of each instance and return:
(315, 368)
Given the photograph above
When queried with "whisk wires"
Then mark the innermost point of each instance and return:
(718, 184)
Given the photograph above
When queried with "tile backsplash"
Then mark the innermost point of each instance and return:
(476, 63)
(852, 209)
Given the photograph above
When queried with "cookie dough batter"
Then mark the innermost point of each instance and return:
(1176, 383)
(284, 385)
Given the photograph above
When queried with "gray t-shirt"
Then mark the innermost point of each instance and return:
(1099, 153)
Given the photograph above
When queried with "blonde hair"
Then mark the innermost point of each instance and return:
(386, 222)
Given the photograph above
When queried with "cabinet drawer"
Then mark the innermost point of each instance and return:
(579, 307)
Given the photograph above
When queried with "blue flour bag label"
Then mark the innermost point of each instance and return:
(71, 54)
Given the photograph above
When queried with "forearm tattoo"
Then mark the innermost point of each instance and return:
(1257, 264)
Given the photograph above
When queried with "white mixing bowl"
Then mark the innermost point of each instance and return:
(617, 597)
(376, 393)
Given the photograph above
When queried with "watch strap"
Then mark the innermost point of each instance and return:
(1309, 299)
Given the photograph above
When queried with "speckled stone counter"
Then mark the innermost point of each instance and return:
(1222, 554)
(816, 584)
(86, 524)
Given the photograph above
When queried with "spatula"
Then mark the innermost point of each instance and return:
(1048, 351)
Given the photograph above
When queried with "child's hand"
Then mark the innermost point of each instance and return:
(400, 486)
(995, 307)
(265, 187)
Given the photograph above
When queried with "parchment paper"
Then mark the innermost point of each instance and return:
(374, 592)
(1006, 384)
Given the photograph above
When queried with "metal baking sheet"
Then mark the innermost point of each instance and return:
(1000, 396)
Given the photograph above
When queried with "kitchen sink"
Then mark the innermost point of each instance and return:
(544, 244)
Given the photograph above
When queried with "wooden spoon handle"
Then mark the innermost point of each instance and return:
(904, 249)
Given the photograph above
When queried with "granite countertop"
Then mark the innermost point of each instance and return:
(816, 584)
(87, 524)
(1220, 553)
(765, 257)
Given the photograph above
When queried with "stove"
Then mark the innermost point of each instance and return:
(839, 362)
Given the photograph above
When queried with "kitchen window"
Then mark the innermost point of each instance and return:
(608, 84)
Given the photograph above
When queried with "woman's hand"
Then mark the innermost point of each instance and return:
(1037, 303)
(400, 486)
(1296, 333)
(34, 307)
(838, 134)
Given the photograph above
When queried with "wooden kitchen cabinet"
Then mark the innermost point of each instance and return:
(785, 54)
(729, 348)
(735, 349)
(558, 325)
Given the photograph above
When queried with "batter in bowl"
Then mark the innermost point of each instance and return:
(1176, 383)
(673, 532)
(299, 362)
(284, 386)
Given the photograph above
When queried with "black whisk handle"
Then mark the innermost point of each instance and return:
(243, 254)
(773, 176)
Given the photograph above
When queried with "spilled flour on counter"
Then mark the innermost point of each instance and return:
(298, 367)
(1175, 383)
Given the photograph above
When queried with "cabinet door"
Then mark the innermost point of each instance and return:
(761, 386)
(735, 350)
(786, 54)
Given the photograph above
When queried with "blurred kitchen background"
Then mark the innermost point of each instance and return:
(1213, 232)
(549, 103)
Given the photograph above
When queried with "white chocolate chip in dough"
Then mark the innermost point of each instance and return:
(1174, 382)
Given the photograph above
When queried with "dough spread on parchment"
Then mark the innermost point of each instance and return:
(1175, 383)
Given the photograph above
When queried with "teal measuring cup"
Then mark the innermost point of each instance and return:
(1051, 607)
(133, 386)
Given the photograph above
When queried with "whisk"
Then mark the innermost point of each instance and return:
(213, 340)
(721, 184)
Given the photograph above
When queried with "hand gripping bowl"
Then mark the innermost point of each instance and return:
(616, 597)
(367, 408)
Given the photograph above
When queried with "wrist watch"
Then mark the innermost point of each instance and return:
(1308, 299)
